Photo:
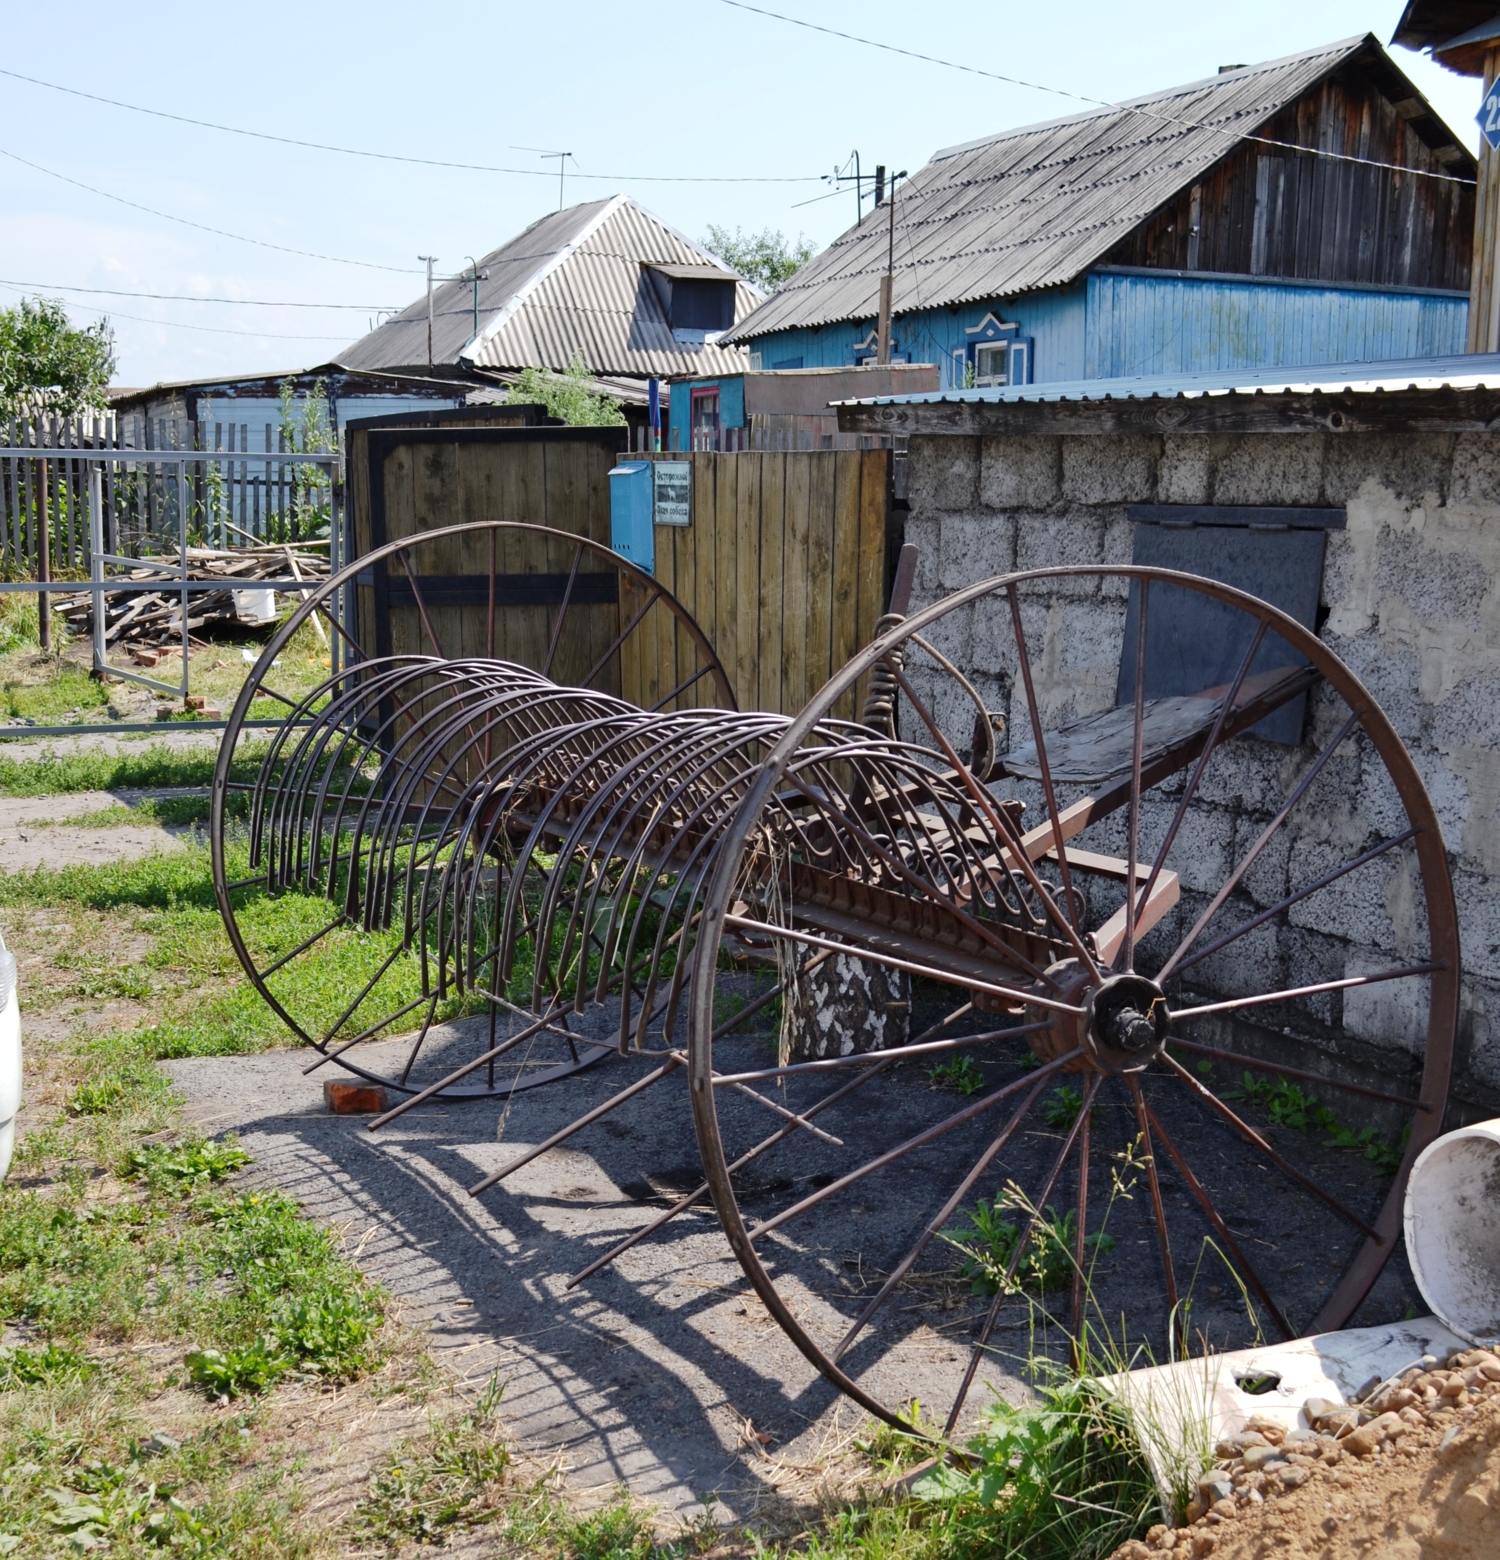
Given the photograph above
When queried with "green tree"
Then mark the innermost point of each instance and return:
(48, 367)
(569, 395)
(766, 258)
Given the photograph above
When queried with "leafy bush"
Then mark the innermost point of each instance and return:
(38, 1367)
(1288, 1105)
(569, 395)
(960, 1074)
(187, 1166)
(988, 1242)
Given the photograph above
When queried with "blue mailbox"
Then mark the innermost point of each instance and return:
(630, 511)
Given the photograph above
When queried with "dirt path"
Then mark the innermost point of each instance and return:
(35, 832)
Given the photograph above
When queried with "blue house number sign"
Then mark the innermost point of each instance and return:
(1489, 116)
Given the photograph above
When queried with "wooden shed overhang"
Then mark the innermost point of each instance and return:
(1454, 395)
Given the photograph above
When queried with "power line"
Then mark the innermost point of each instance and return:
(261, 243)
(255, 303)
(423, 162)
(1093, 102)
(214, 330)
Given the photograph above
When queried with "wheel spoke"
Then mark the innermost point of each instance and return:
(1306, 891)
(619, 640)
(1037, 1213)
(562, 612)
(1237, 1059)
(1158, 1208)
(1133, 816)
(1261, 999)
(865, 1058)
(1000, 824)
(301, 947)
(1249, 858)
(1080, 1225)
(1231, 1245)
(935, 1224)
(800, 1122)
(1281, 1162)
(1034, 711)
(682, 687)
(416, 591)
(948, 977)
(902, 1149)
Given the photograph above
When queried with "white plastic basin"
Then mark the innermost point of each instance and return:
(1453, 1230)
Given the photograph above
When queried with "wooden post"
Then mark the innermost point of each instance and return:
(44, 557)
(1484, 306)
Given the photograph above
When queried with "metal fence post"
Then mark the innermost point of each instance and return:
(96, 558)
(182, 543)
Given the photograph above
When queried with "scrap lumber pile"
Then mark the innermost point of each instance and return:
(154, 617)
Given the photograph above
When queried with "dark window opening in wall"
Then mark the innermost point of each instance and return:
(1195, 643)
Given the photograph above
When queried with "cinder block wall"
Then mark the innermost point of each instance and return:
(1412, 592)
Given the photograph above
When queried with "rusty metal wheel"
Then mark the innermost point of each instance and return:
(378, 888)
(1209, 1071)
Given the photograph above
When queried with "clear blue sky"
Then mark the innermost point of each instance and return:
(680, 88)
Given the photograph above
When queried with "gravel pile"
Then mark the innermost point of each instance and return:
(1408, 1471)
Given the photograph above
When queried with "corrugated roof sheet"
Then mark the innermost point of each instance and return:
(1036, 207)
(572, 282)
(1473, 371)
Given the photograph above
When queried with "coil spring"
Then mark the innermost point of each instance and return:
(880, 700)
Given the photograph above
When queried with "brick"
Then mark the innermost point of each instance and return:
(1020, 473)
(1110, 469)
(354, 1099)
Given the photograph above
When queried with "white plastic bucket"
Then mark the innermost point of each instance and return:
(254, 607)
(10, 1056)
(1453, 1230)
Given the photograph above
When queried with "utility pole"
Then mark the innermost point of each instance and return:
(476, 276)
(429, 259)
(887, 282)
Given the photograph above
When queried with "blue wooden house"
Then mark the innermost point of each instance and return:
(1309, 210)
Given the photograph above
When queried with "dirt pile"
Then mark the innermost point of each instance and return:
(1412, 1473)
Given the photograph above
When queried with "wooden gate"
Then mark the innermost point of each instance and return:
(783, 567)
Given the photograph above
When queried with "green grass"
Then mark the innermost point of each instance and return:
(987, 1239)
(65, 693)
(149, 766)
(960, 1074)
(1288, 1105)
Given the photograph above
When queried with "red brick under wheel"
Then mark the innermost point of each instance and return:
(1120, 1004)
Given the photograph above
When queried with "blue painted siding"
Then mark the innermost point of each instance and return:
(1118, 324)
(1055, 320)
(1161, 325)
(731, 407)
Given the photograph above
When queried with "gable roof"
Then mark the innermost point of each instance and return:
(1038, 206)
(572, 282)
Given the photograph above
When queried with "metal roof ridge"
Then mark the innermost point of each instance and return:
(1345, 45)
(502, 316)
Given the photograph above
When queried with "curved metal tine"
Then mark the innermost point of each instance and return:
(416, 591)
(1080, 1226)
(489, 621)
(562, 610)
(1190, 790)
(421, 1036)
(1236, 1059)
(1248, 859)
(765, 1144)
(911, 966)
(862, 1058)
(936, 1223)
(1137, 750)
(1261, 999)
(1033, 1218)
(1221, 1229)
(901, 1149)
(1306, 891)
(1158, 1207)
(672, 1063)
(423, 1095)
(620, 638)
(1001, 825)
(1049, 791)
(1280, 1160)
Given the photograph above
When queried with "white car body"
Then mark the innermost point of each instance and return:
(10, 1056)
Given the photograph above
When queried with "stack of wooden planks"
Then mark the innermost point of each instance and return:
(154, 617)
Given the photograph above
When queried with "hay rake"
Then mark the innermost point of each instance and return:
(806, 919)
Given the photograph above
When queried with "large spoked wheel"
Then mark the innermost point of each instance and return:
(1187, 1110)
(378, 881)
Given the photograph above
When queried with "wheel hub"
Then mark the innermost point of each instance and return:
(1122, 1026)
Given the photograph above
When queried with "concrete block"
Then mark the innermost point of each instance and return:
(1061, 541)
(1474, 772)
(1476, 470)
(1392, 1014)
(925, 533)
(1110, 468)
(1251, 469)
(1249, 965)
(1480, 1033)
(1478, 922)
(993, 646)
(1184, 475)
(1021, 472)
(1435, 583)
(1414, 468)
(975, 547)
(1353, 907)
(942, 473)
(1202, 855)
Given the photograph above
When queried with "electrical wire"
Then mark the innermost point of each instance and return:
(260, 243)
(1093, 102)
(250, 303)
(422, 162)
(215, 330)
